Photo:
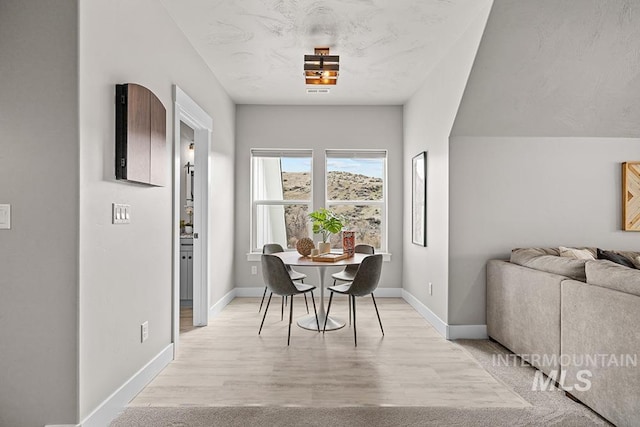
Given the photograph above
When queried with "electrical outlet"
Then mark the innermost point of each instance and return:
(430, 288)
(254, 270)
(144, 331)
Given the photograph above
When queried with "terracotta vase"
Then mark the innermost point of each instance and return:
(324, 248)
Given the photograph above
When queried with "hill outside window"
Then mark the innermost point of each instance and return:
(355, 187)
(282, 195)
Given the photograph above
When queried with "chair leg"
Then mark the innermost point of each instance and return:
(349, 304)
(355, 338)
(313, 300)
(306, 303)
(376, 306)
(263, 295)
(324, 328)
(282, 310)
(265, 312)
(290, 319)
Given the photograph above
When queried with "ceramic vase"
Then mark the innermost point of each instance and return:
(324, 248)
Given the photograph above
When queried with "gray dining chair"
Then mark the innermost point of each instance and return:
(349, 272)
(279, 282)
(272, 248)
(364, 283)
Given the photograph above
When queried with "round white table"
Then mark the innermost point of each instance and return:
(294, 259)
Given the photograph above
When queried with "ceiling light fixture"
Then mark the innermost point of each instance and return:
(321, 68)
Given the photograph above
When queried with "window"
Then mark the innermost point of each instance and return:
(281, 197)
(356, 189)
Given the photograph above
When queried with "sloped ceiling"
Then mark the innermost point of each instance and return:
(256, 47)
(556, 68)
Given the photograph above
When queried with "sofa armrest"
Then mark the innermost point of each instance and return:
(600, 321)
(523, 312)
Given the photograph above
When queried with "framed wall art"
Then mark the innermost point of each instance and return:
(631, 196)
(419, 199)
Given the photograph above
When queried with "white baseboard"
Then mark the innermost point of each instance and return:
(450, 332)
(62, 425)
(468, 332)
(244, 292)
(115, 404)
(216, 308)
(424, 311)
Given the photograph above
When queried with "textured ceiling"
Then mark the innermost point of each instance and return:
(256, 47)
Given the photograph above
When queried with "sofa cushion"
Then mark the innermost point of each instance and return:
(615, 257)
(634, 257)
(576, 253)
(549, 260)
(608, 274)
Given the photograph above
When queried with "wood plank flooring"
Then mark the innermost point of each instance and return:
(228, 364)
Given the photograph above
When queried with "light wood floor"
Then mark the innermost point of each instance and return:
(186, 319)
(228, 364)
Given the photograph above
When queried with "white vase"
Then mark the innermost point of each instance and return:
(324, 248)
(188, 229)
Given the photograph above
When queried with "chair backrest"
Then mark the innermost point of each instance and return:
(276, 276)
(359, 249)
(272, 248)
(364, 249)
(367, 277)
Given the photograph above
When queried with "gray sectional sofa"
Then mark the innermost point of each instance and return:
(577, 320)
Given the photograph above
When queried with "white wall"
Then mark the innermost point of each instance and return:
(318, 128)
(520, 192)
(39, 178)
(428, 118)
(538, 141)
(125, 270)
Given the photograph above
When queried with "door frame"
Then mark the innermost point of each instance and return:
(188, 111)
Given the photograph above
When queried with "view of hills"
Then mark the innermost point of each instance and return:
(364, 219)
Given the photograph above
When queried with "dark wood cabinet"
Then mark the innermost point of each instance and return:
(141, 136)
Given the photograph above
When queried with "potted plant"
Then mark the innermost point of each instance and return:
(326, 223)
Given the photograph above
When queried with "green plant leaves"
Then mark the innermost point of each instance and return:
(326, 222)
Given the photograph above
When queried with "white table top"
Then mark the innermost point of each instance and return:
(295, 259)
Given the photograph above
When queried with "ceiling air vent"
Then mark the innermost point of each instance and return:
(318, 91)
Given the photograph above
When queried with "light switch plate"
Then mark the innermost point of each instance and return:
(120, 214)
(5, 217)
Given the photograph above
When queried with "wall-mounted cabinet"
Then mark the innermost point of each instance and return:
(141, 136)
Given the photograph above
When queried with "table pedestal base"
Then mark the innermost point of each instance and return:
(309, 322)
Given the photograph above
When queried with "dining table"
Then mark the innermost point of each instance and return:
(294, 259)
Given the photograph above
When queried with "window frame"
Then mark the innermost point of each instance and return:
(279, 153)
(362, 153)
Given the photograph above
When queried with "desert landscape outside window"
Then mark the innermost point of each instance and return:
(282, 195)
(281, 188)
(355, 188)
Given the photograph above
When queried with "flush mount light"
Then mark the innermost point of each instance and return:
(321, 68)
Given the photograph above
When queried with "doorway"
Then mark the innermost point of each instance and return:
(187, 177)
(190, 122)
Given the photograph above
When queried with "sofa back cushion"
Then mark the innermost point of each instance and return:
(616, 257)
(549, 260)
(608, 274)
(634, 257)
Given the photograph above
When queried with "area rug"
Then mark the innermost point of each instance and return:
(549, 408)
